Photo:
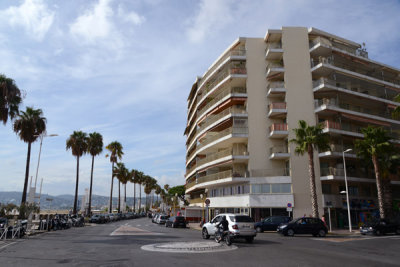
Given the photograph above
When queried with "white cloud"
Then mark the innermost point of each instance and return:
(32, 15)
(95, 23)
(212, 17)
(131, 17)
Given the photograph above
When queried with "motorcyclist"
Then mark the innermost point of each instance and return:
(223, 226)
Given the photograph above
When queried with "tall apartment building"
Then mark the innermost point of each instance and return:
(242, 111)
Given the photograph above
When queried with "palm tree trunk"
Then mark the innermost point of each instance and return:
(379, 186)
(314, 200)
(387, 197)
(140, 196)
(125, 193)
(119, 197)
(112, 183)
(28, 159)
(134, 197)
(90, 190)
(76, 185)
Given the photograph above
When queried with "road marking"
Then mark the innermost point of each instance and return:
(7, 245)
(129, 230)
(344, 239)
(138, 225)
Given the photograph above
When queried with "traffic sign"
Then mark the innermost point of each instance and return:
(289, 205)
(207, 201)
(289, 209)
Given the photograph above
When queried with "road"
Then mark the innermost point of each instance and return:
(120, 244)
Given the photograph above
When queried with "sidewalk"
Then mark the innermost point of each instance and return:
(344, 232)
(195, 226)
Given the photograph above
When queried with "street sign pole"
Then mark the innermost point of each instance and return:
(330, 222)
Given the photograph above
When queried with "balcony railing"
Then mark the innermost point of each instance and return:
(219, 176)
(222, 154)
(383, 93)
(355, 51)
(273, 46)
(232, 130)
(275, 85)
(228, 70)
(336, 63)
(340, 148)
(213, 118)
(278, 149)
(333, 102)
(274, 65)
(220, 96)
(270, 172)
(196, 200)
(278, 127)
(276, 105)
(238, 52)
(191, 169)
(189, 185)
(349, 173)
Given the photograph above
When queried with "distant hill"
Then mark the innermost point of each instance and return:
(63, 202)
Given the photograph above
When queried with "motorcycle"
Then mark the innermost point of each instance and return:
(221, 235)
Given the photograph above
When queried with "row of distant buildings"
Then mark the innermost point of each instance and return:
(242, 110)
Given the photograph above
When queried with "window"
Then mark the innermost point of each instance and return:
(255, 189)
(275, 188)
(326, 189)
(246, 189)
(353, 191)
(266, 188)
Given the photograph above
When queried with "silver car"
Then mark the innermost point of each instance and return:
(240, 226)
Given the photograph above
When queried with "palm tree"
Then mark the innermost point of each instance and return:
(122, 175)
(29, 125)
(10, 98)
(95, 147)
(115, 149)
(158, 191)
(375, 146)
(78, 143)
(140, 181)
(310, 138)
(134, 181)
(166, 187)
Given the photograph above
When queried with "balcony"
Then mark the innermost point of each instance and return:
(273, 51)
(336, 151)
(270, 172)
(241, 155)
(372, 93)
(277, 109)
(333, 106)
(222, 96)
(238, 54)
(190, 171)
(279, 152)
(328, 174)
(225, 177)
(227, 113)
(324, 66)
(278, 130)
(275, 69)
(276, 89)
(323, 46)
(239, 133)
(190, 185)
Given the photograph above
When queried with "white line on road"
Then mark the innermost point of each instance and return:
(7, 245)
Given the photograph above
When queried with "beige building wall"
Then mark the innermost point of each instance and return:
(300, 106)
(259, 143)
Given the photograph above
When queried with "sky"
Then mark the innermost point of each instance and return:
(125, 68)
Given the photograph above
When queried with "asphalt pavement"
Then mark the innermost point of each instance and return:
(121, 244)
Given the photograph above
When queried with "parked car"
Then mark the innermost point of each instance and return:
(96, 218)
(305, 225)
(240, 226)
(112, 217)
(162, 219)
(176, 221)
(381, 227)
(155, 217)
(270, 223)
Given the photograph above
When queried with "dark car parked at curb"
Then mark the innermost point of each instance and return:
(306, 225)
(176, 221)
(270, 223)
(381, 227)
(97, 218)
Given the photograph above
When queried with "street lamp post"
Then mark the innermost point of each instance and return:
(40, 151)
(347, 189)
